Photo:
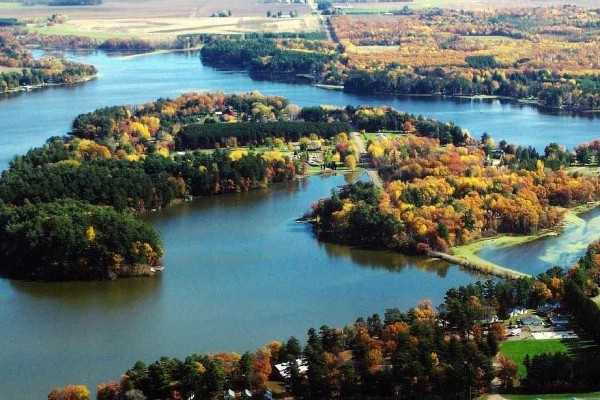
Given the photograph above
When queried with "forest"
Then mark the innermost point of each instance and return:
(269, 56)
(436, 197)
(541, 53)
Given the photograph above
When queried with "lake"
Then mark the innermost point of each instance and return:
(29, 118)
(240, 271)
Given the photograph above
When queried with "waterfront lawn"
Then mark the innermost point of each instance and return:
(516, 350)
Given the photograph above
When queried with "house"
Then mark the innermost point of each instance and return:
(489, 320)
(534, 320)
(560, 320)
(268, 395)
(517, 311)
(229, 395)
(282, 369)
(545, 309)
(246, 394)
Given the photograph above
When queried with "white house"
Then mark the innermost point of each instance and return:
(517, 311)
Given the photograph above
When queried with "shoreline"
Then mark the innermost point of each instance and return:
(45, 85)
(157, 52)
(469, 251)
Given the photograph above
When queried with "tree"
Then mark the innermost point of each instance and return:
(350, 162)
(507, 371)
(583, 155)
(71, 392)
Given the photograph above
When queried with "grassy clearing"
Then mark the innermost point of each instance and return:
(516, 350)
(586, 170)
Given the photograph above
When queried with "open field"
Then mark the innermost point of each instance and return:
(516, 350)
(168, 28)
(158, 20)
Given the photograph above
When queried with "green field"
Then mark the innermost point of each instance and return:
(9, 5)
(516, 350)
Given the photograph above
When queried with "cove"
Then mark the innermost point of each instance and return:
(240, 271)
(563, 250)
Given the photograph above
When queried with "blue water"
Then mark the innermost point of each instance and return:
(240, 271)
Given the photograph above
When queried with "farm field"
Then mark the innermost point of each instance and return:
(158, 20)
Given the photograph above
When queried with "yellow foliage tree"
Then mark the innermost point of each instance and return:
(140, 130)
(237, 154)
(350, 162)
(90, 234)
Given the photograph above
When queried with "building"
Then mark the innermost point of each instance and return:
(533, 320)
(517, 311)
(282, 369)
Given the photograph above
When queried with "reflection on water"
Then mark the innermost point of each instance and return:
(385, 259)
(104, 294)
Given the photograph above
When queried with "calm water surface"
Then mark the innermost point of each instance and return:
(563, 250)
(240, 271)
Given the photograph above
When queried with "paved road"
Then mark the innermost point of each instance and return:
(372, 172)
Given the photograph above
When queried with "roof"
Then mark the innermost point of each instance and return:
(533, 320)
(283, 367)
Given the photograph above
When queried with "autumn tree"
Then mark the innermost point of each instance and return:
(70, 392)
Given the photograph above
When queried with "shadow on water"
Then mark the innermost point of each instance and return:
(386, 259)
(102, 294)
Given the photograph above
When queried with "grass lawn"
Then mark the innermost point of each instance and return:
(516, 350)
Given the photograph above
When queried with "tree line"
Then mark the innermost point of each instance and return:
(202, 136)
